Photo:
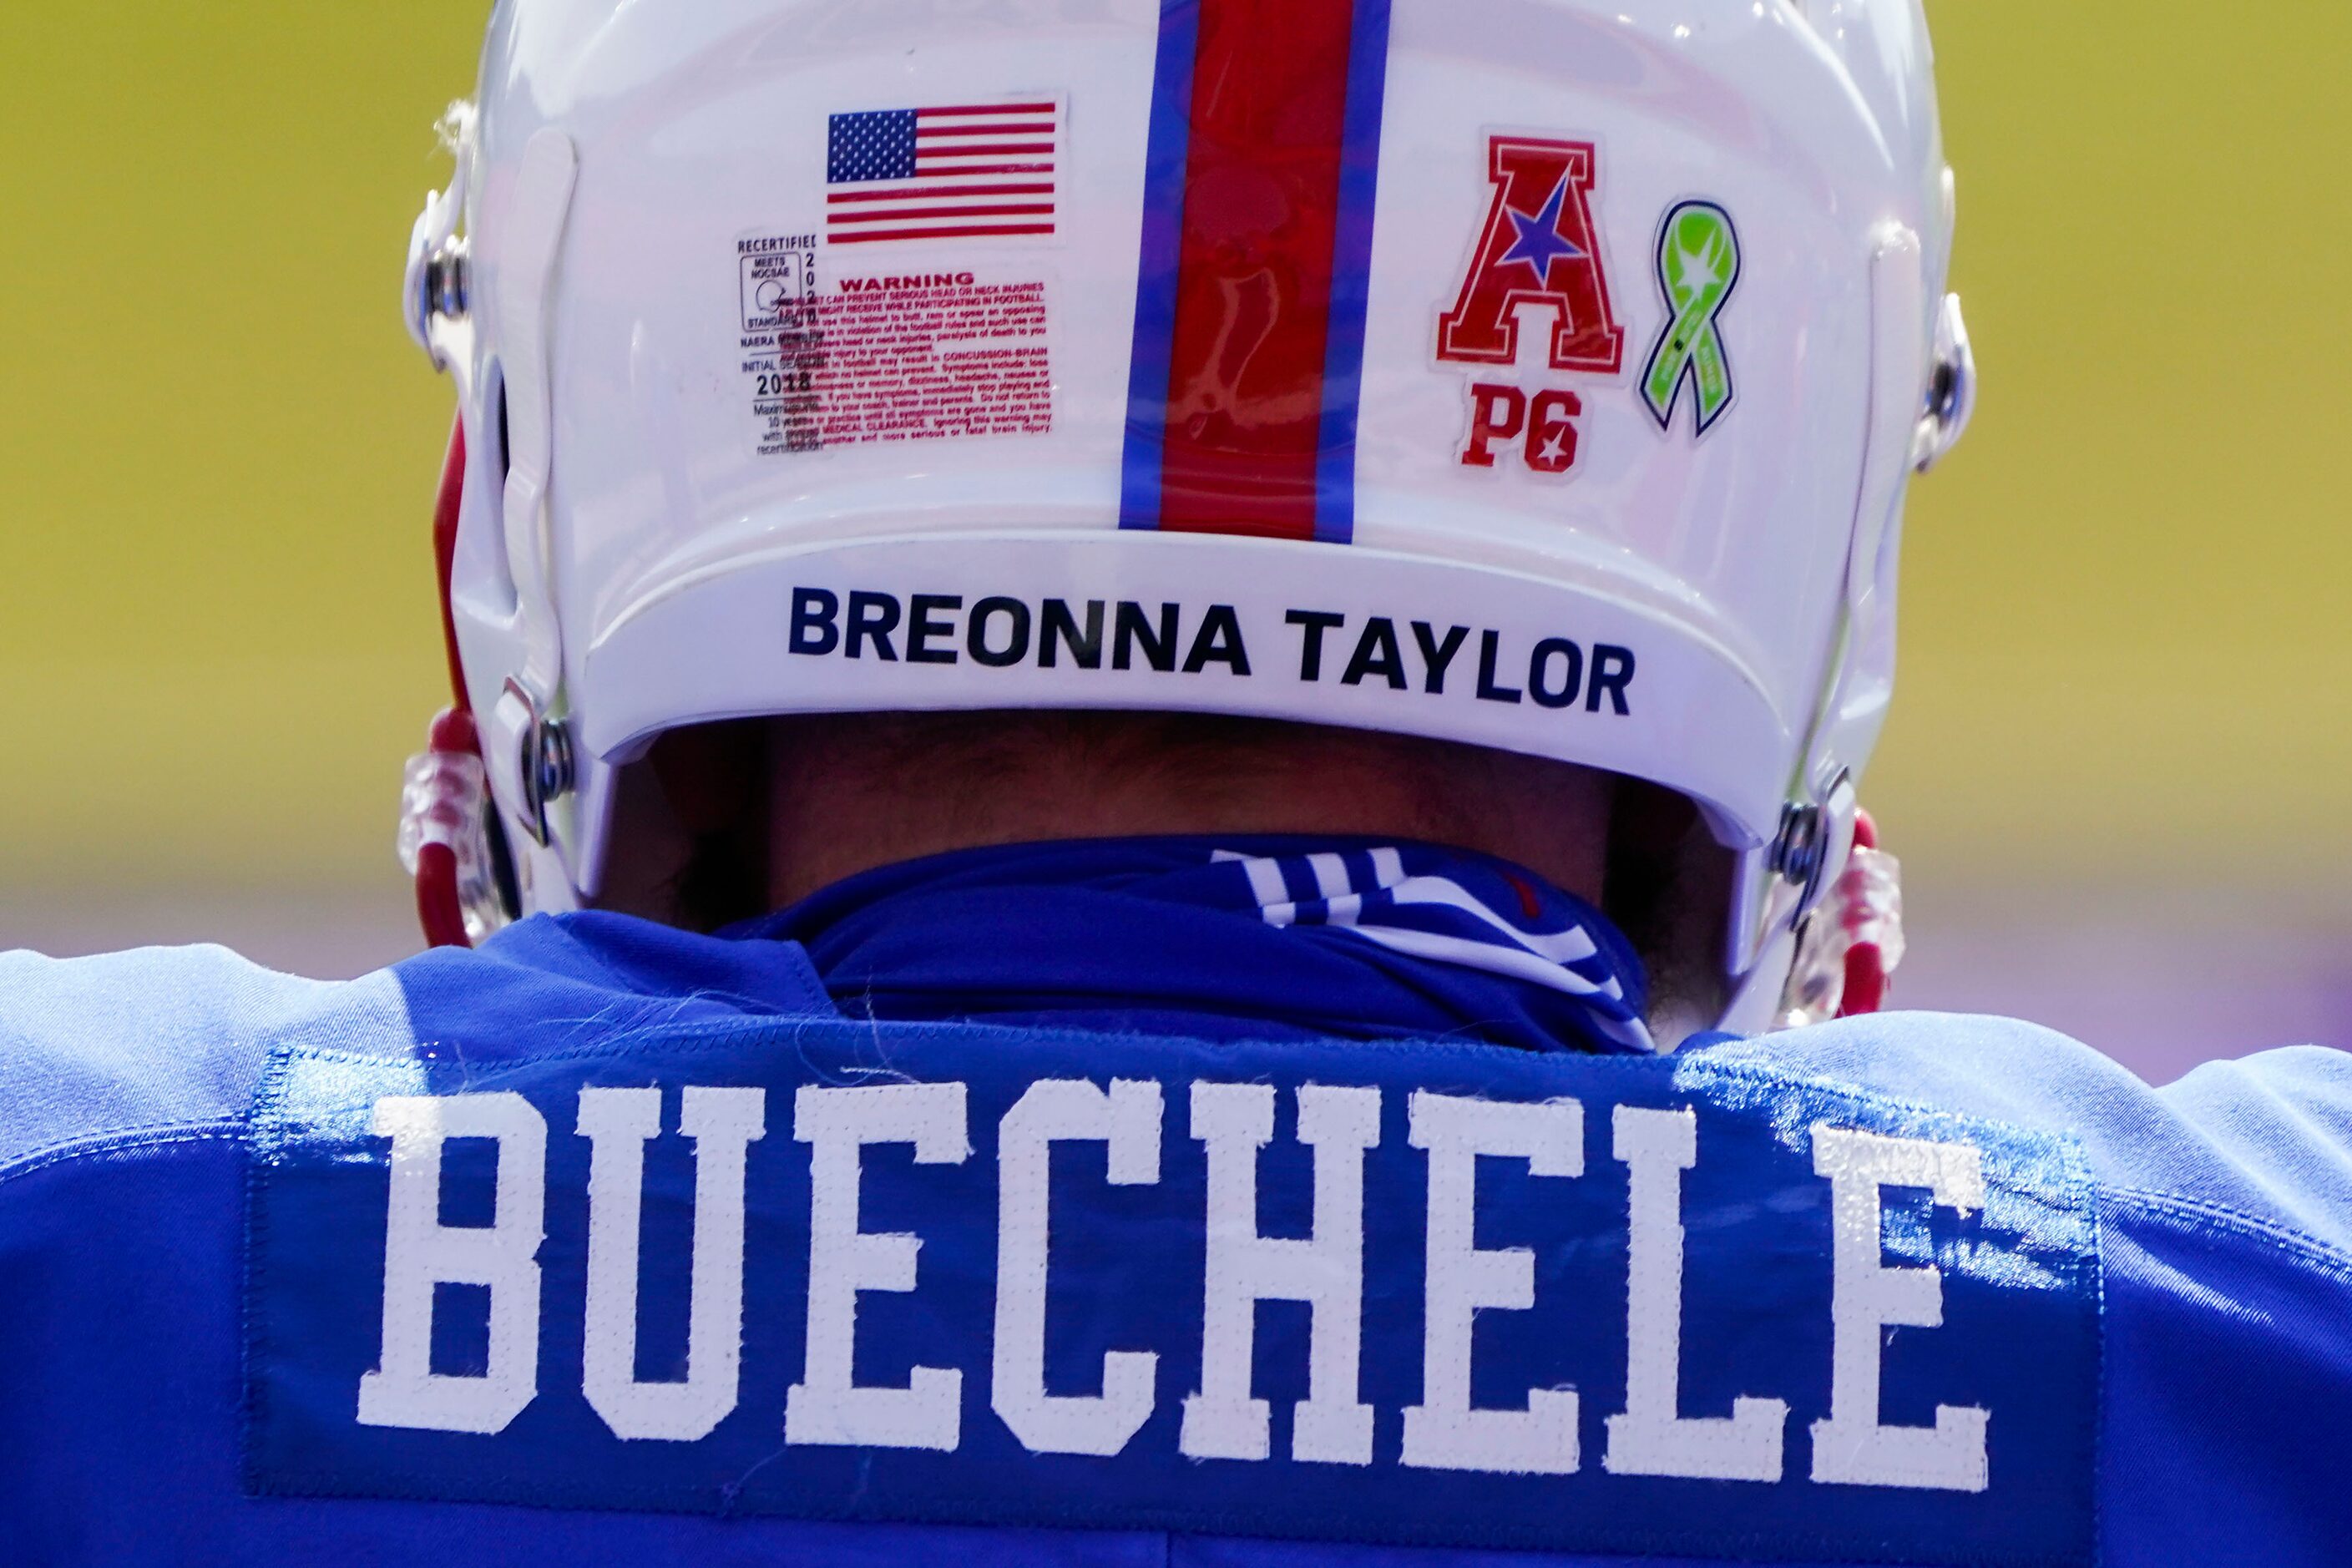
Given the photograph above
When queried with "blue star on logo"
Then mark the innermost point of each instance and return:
(1539, 244)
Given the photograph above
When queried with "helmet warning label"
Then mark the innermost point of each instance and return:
(878, 354)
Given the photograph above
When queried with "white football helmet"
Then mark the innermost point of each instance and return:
(1543, 375)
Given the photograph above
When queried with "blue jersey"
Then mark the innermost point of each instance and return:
(609, 1243)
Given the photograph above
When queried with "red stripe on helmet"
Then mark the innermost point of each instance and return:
(1255, 266)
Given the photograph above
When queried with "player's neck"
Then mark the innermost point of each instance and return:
(846, 794)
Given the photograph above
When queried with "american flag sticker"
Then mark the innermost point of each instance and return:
(954, 172)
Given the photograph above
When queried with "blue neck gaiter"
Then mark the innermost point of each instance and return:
(1247, 937)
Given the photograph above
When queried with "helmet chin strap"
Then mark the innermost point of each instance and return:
(1868, 902)
(444, 806)
(1852, 940)
(442, 825)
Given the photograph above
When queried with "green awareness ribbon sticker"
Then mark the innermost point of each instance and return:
(1699, 266)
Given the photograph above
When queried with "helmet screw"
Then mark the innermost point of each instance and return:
(555, 774)
(1797, 852)
(546, 768)
(448, 276)
(1951, 394)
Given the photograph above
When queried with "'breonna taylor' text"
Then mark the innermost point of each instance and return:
(1401, 653)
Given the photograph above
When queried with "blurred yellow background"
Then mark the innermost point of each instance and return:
(2126, 659)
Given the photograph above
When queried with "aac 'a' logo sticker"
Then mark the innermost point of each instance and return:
(1699, 266)
(1537, 249)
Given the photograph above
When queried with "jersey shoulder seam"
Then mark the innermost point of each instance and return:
(155, 1135)
(2176, 1207)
